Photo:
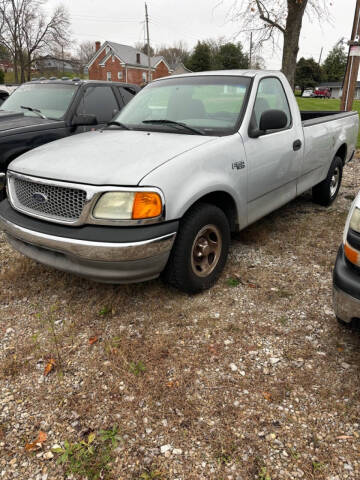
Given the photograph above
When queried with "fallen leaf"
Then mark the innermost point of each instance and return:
(344, 437)
(93, 339)
(267, 396)
(37, 444)
(49, 366)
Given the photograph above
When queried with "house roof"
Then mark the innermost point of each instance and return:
(128, 54)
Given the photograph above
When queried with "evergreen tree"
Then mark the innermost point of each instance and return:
(308, 73)
(200, 60)
(231, 56)
(334, 65)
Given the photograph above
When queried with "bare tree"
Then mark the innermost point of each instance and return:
(85, 52)
(268, 18)
(173, 54)
(26, 31)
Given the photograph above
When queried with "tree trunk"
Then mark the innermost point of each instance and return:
(292, 31)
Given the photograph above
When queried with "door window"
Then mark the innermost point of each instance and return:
(99, 101)
(127, 94)
(270, 96)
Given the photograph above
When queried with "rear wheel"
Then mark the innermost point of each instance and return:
(325, 192)
(200, 250)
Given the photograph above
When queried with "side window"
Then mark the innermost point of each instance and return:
(270, 95)
(127, 94)
(99, 101)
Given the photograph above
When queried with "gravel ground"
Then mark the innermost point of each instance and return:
(253, 379)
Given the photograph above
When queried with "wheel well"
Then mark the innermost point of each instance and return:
(224, 201)
(342, 151)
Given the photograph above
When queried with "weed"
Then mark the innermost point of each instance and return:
(317, 466)
(111, 436)
(91, 458)
(283, 320)
(295, 455)
(151, 475)
(232, 282)
(105, 311)
(264, 474)
(137, 368)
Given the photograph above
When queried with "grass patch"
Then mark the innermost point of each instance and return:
(89, 458)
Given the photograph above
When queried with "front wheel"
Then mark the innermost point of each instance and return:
(325, 192)
(200, 250)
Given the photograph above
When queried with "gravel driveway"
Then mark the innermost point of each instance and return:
(253, 379)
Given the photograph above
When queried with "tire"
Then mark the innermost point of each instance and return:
(343, 324)
(325, 192)
(200, 250)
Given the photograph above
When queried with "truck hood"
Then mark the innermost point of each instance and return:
(12, 122)
(108, 157)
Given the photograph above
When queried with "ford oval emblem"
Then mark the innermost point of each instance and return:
(40, 197)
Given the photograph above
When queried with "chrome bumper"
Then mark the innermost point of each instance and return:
(100, 261)
(95, 251)
(346, 307)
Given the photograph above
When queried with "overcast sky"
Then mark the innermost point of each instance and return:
(192, 20)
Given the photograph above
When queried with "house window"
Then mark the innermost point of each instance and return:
(144, 76)
(120, 75)
(113, 59)
(107, 49)
(108, 76)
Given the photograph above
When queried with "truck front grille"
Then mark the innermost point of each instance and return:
(51, 201)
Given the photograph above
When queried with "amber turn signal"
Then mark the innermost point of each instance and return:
(146, 205)
(351, 254)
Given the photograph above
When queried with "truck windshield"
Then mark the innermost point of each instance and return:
(210, 104)
(52, 100)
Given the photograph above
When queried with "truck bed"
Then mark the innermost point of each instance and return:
(313, 117)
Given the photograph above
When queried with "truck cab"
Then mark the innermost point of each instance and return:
(189, 160)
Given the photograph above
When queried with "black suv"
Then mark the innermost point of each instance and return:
(41, 111)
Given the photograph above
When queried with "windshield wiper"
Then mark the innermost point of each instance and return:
(172, 122)
(35, 110)
(119, 124)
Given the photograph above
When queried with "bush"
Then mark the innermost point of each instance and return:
(2, 77)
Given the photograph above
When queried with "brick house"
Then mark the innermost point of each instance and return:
(6, 66)
(116, 62)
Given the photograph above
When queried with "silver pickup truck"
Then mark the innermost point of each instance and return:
(189, 160)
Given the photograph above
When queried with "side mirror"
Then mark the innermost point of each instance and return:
(84, 120)
(273, 120)
(269, 120)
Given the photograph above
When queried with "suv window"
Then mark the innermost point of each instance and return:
(127, 94)
(270, 95)
(99, 101)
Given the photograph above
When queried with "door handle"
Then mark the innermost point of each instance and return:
(297, 145)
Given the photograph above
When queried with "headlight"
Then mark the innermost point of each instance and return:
(128, 206)
(355, 220)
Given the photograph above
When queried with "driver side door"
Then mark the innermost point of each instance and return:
(274, 157)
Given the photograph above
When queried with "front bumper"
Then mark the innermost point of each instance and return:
(346, 289)
(130, 254)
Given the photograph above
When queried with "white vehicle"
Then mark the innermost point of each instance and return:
(307, 93)
(188, 160)
(346, 277)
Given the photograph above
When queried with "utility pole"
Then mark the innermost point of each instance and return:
(322, 48)
(352, 67)
(250, 55)
(148, 42)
